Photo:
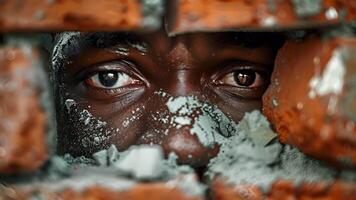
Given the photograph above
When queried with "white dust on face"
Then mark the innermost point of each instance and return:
(204, 120)
(135, 116)
(207, 121)
(125, 48)
(94, 130)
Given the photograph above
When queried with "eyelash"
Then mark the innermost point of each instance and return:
(130, 70)
(122, 67)
(119, 79)
(260, 72)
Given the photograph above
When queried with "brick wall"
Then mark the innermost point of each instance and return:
(316, 117)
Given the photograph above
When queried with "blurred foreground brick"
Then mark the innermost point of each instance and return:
(189, 16)
(282, 190)
(312, 98)
(84, 15)
(22, 121)
(154, 191)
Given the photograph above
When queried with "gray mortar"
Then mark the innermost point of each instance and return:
(82, 179)
(112, 169)
(272, 7)
(144, 162)
(152, 11)
(307, 8)
(344, 31)
(254, 156)
(80, 161)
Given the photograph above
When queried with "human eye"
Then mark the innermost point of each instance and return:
(243, 80)
(111, 79)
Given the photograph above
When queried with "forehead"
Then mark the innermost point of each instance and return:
(76, 40)
(70, 44)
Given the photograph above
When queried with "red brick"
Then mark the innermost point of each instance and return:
(189, 16)
(22, 120)
(282, 190)
(321, 124)
(84, 15)
(151, 191)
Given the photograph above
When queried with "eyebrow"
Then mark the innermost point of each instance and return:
(70, 44)
(250, 40)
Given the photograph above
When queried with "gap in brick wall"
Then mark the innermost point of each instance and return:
(55, 168)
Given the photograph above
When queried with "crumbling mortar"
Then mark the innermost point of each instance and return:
(152, 11)
(307, 8)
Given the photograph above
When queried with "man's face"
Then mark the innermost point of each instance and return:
(183, 92)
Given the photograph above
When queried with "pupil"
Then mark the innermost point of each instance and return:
(108, 79)
(245, 77)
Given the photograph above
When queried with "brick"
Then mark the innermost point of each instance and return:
(22, 120)
(150, 191)
(312, 96)
(83, 15)
(284, 190)
(189, 16)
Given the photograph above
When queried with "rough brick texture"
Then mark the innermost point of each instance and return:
(156, 191)
(282, 190)
(22, 121)
(312, 96)
(50, 15)
(302, 108)
(188, 16)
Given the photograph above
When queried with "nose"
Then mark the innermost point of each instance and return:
(188, 148)
(191, 128)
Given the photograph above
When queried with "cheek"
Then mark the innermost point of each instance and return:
(88, 127)
(237, 109)
(82, 133)
(85, 134)
(153, 118)
(233, 107)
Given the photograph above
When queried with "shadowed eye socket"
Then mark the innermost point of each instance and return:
(111, 79)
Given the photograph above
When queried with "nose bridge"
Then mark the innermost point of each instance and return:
(184, 82)
(184, 77)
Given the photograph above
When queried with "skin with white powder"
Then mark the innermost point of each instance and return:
(128, 88)
(208, 122)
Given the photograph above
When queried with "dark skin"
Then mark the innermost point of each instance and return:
(116, 76)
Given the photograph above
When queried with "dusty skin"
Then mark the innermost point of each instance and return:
(127, 89)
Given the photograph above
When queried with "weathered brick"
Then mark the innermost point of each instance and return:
(22, 120)
(312, 98)
(285, 190)
(84, 15)
(189, 16)
(149, 191)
